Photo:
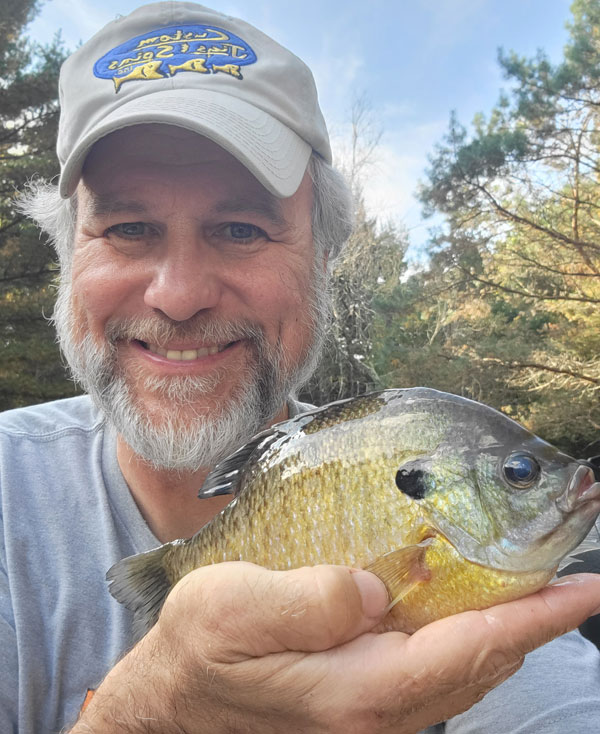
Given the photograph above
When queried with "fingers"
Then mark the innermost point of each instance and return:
(249, 611)
(556, 609)
(354, 680)
(491, 644)
(447, 666)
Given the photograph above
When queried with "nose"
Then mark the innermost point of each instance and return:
(183, 284)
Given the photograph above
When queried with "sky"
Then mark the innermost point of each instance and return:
(412, 61)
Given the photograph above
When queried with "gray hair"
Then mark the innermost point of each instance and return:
(332, 212)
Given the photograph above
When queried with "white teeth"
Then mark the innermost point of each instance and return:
(186, 355)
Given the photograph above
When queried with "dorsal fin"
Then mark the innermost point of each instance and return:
(224, 478)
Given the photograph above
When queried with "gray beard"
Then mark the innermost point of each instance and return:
(174, 439)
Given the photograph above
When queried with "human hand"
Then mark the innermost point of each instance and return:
(241, 648)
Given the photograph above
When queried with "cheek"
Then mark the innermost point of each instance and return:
(285, 304)
(99, 288)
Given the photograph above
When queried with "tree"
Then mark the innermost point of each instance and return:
(370, 265)
(520, 193)
(30, 366)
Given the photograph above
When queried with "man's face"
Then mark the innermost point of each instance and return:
(191, 287)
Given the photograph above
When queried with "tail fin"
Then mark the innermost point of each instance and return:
(141, 583)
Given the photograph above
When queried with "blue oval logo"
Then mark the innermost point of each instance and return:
(165, 52)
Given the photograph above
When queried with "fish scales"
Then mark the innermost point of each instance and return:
(452, 504)
(258, 525)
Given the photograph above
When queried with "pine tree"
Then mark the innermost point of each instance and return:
(30, 366)
(520, 193)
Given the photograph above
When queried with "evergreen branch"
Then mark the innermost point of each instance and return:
(13, 223)
(516, 292)
(513, 217)
(34, 274)
(547, 268)
(543, 368)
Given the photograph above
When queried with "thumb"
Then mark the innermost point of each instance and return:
(250, 611)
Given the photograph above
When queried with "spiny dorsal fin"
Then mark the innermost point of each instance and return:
(225, 477)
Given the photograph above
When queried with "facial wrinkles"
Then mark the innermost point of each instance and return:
(182, 389)
(175, 441)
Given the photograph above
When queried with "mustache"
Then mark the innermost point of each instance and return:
(198, 329)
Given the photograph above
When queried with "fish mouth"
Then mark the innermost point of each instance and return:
(582, 489)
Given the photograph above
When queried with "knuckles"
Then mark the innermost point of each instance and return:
(239, 604)
(321, 607)
(227, 620)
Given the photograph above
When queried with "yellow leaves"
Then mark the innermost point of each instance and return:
(471, 310)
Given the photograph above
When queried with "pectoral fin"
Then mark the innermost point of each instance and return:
(401, 570)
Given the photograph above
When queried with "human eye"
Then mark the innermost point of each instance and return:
(129, 230)
(241, 232)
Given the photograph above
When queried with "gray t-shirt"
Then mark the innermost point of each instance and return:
(67, 515)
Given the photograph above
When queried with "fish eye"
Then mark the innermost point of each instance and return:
(521, 470)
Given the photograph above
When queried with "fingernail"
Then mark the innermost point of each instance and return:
(374, 595)
(574, 580)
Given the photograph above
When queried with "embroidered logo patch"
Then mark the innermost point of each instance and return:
(167, 51)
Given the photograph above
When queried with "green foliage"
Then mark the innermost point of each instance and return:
(507, 310)
(518, 262)
(30, 367)
(369, 267)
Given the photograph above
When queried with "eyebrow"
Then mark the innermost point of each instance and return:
(103, 204)
(267, 206)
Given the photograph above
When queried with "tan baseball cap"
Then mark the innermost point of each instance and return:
(183, 64)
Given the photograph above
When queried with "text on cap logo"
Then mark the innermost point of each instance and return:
(164, 52)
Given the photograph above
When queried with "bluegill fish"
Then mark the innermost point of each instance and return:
(451, 503)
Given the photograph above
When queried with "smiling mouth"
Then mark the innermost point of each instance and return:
(185, 355)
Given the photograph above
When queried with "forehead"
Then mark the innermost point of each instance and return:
(169, 159)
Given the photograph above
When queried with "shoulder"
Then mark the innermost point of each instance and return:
(51, 420)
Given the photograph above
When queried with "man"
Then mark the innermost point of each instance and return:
(198, 217)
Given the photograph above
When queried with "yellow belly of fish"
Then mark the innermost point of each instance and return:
(457, 585)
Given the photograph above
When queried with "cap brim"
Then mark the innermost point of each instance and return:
(273, 153)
